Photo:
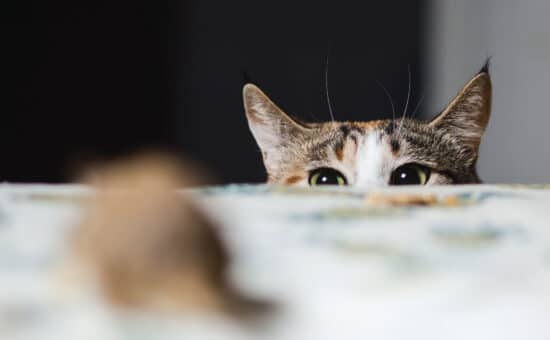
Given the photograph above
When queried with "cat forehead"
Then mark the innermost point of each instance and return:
(347, 127)
(396, 139)
(337, 143)
(336, 135)
(349, 143)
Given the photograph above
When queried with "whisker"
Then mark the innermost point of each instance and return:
(388, 95)
(408, 92)
(417, 105)
(406, 103)
(326, 86)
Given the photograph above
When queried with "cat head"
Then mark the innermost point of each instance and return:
(373, 153)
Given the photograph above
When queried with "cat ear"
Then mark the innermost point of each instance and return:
(467, 116)
(270, 126)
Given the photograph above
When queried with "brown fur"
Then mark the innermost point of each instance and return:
(294, 179)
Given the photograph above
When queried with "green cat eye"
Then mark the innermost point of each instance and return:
(326, 176)
(410, 174)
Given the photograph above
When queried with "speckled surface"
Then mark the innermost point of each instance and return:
(338, 268)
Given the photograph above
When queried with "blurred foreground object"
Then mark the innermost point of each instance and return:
(150, 246)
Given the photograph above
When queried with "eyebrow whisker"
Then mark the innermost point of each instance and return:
(407, 102)
(326, 86)
(388, 95)
(417, 105)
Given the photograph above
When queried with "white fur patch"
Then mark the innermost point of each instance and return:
(373, 158)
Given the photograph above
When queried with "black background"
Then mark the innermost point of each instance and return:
(92, 80)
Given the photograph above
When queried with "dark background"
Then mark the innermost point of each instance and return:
(94, 80)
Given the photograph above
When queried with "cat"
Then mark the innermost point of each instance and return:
(377, 153)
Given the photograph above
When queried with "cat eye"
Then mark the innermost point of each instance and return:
(326, 176)
(410, 174)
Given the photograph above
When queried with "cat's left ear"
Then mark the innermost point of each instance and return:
(271, 127)
(467, 116)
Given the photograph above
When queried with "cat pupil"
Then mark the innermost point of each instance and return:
(408, 177)
(409, 174)
(328, 180)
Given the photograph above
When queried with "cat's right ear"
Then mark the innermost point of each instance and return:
(467, 116)
(271, 127)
